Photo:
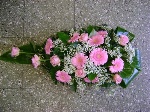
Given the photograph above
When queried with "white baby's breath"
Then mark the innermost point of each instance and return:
(130, 52)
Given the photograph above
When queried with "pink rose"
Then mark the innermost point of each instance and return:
(96, 40)
(99, 56)
(54, 60)
(117, 66)
(79, 60)
(15, 51)
(35, 61)
(102, 33)
(83, 37)
(93, 81)
(74, 38)
(117, 78)
(80, 73)
(48, 46)
(63, 76)
(123, 40)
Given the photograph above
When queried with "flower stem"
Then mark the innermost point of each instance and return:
(44, 60)
(26, 53)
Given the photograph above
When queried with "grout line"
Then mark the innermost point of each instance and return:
(12, 88)
(23, 17)
(22, 83)
(74, 15)
(14, 37)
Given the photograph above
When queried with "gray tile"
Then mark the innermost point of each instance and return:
(33, 78)
(11, 18)
(10, 75)
(45, 99)
(43, 18)
(61, 99)
(10, 100)
(112, 12)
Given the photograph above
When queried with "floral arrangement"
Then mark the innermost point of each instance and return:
(96, 55)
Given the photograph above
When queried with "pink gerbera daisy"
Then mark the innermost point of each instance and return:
(99, 56)
(80, 73)
(102, 33)
(96, 40)
(123, 40)
(48, 46)
(117, 66)
(74, 38)
(15, 51)
(63, 76)
(79, 60)
(117, 78)
(35, 61)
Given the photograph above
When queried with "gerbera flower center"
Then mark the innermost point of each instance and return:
(80, 60)
(63, 77)
(98, 56)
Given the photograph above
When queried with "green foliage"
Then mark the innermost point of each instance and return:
(58, 52)
(22, 58)
(130, 71)
(74, 85)
(92, 76)
(106, 84)
(63, 37)
(93, 32)
(130, 35)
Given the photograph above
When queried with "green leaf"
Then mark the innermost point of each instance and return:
(137, 60)
(36, 48)
(27, 48)
(91, 76)
(89, 29)
(63, 37)
(130, 35)
(22, 58)
(58, 52)
(106, 84)
(74, 86)
(130, 71)
(53, 71)
(128, 79)
(93, 32)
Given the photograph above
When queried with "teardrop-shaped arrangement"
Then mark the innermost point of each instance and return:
(96, 55)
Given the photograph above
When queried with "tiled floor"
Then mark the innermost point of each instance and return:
(24, 89)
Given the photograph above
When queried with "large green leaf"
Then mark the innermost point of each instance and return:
(29, 48)
(127, 80)
(91, 76)
(93, 32)
(137, 60)
(130, 71)
(63, 37)
(89, 29)
(58, 52)
(74, 85)
(22, 58)
(130, 35)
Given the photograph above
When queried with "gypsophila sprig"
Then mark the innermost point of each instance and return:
(96, 55)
